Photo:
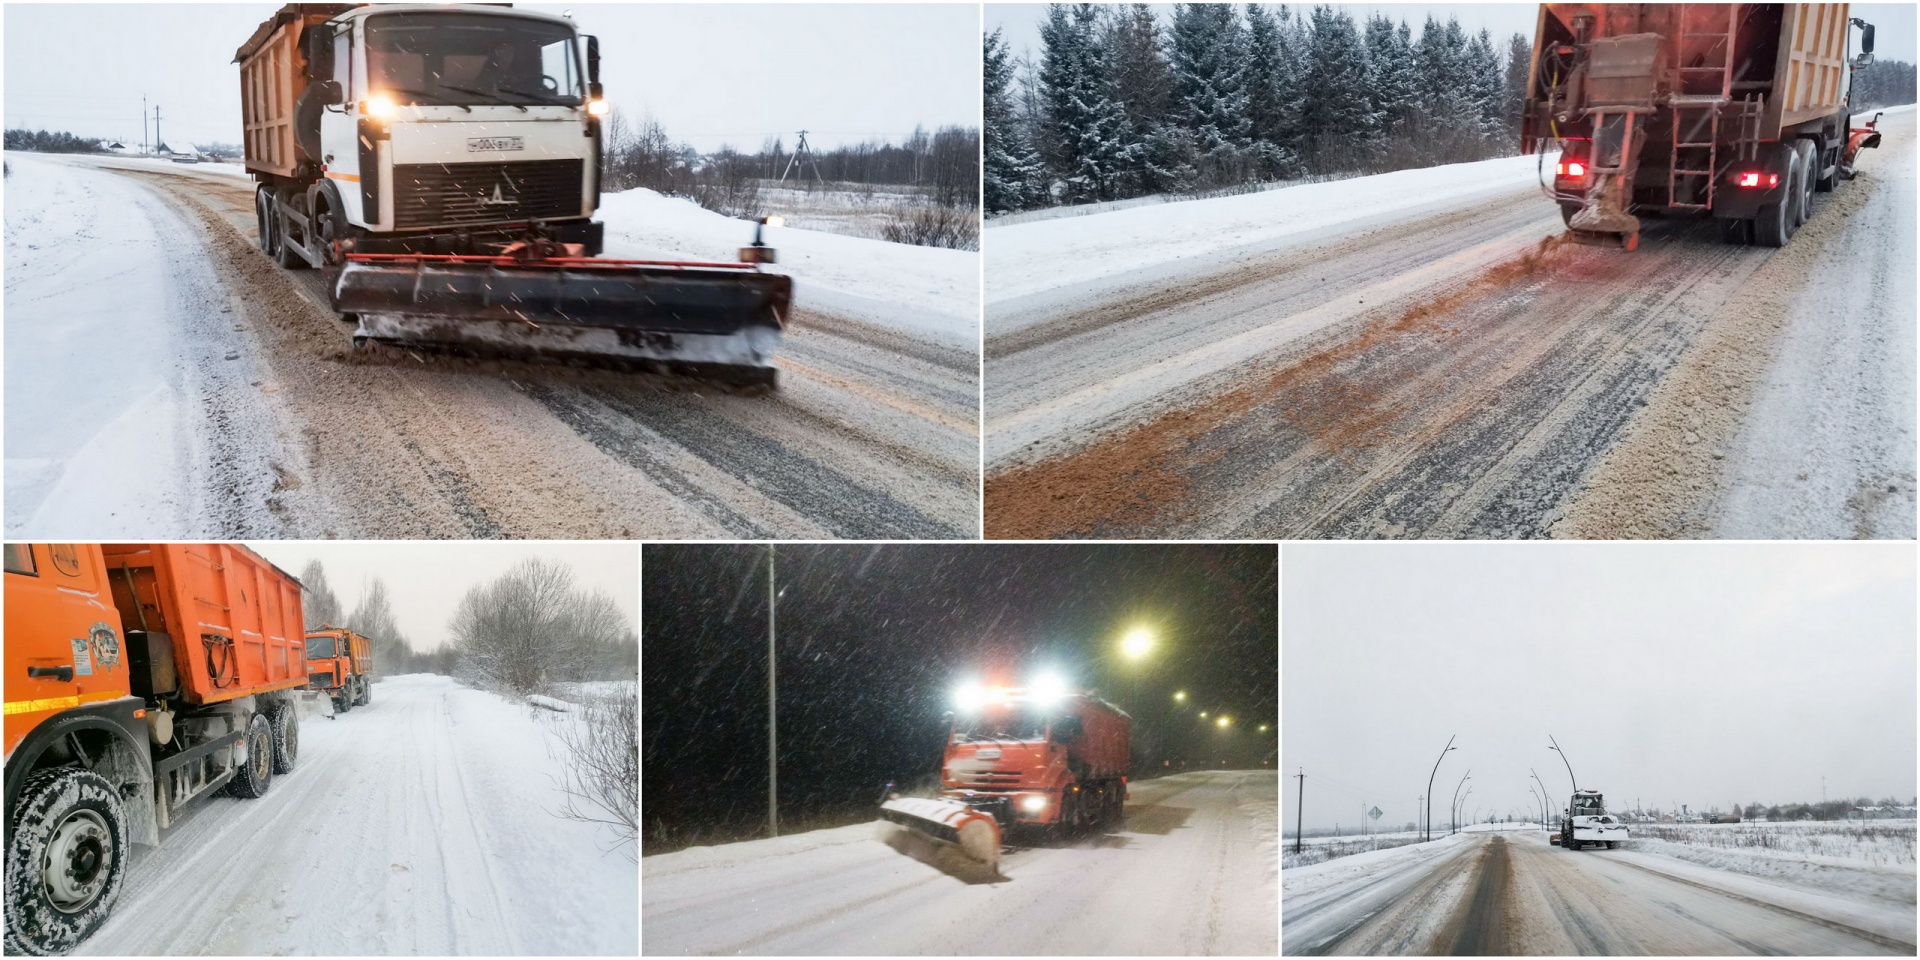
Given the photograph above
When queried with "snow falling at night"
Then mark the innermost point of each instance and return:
(874, 640)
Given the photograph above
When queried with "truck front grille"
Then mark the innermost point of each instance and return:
(991, 778)
(451, 194)
(320, 679)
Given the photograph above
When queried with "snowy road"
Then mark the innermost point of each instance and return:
(418, 824)
(229, 404)
(1194, 871)
(1513, 894)
(1441, 368)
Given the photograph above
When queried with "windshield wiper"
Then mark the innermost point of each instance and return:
(423, 93)
(482, 93)
(538, 96)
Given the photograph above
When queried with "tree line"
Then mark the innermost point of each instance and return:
(41, 141)
(1122, 104)
(530, 627)
(1883, 83)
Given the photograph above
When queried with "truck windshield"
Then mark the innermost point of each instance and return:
(319, 648)
(467, 59)
(1586, 805)
(1022, 725)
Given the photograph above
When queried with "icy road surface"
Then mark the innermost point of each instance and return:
(165, 379)
(1420, 354)
(418, 824)
(1193, 871)
(1511, 893)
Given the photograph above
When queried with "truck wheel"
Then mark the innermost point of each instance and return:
(366, 693)
(343, 702)
(1773, 225)
(285, 721)
(1803, 185)
(1566, 215)
(283, 252)
(255, 775)
(269, 229)
(1825, 184)
(66, 858)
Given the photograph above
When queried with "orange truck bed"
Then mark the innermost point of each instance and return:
(272, 74)
(234, 618)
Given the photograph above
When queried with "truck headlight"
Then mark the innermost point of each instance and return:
(598, 108)
(1033, 804)
(379, 106)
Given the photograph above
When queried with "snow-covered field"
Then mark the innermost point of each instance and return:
(422, 823)
(1870, 858)
(1087, 256)
(923, 291)
(1193, 871)
(846, 209)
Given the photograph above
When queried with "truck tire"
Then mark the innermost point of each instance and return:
(1803, 185)
(251, 781)
(1824, 183)
(283, 253)
(66, 860)
(285, 721)
(366, 692)
(265, 223)
(1773, 226)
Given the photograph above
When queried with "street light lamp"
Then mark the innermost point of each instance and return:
(1223, 722)
(1427, 833)
(1453, 816)
(1563, 759)
(1179, 696)
(1137, 643)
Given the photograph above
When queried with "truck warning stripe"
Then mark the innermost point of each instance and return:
(58, 703)
(349, 177)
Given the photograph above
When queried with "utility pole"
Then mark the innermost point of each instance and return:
(1428, 834)
(1298, 810)
(156, 125)
(800, 149)
(143, 123)
(773, 726)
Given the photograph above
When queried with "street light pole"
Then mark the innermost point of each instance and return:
(1453, 817)
(1563, 759)
(1427, 834)
(1543, 787)
(773, 727)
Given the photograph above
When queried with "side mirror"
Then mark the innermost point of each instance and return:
(593, 63)
(319, 52)
(1866, 38)
(330, 92)
(1862, 61)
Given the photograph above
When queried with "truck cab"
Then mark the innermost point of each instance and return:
(1057, 761)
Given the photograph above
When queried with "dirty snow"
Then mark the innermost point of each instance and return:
(421, 823)
(924, 291)
(1194, 870)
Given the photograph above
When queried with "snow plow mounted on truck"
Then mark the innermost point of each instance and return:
(445, 162)
(140, 678)
(1041, 760)
(339, 664)
(1739, 111)
(1587, 821)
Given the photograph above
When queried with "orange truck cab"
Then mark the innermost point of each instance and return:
(139, 679)
(1038, 757)
(339, 662)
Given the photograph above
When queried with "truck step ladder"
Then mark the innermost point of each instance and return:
(1691, 160)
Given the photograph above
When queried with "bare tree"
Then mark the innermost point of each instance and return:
(374, 618)
(317, 599)
(507, 629)
(602, 778)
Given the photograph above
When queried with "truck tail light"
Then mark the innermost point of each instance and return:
(1754, 178)
(1573, 169)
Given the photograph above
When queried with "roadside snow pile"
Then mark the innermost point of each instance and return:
(1029, 258)
(924, 291)
(1874, 859)
(1313, 878)
(1321, 849)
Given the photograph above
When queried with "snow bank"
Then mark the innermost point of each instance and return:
(1319, 877)
(925, 291)
(1028, 258)
(1872, 858)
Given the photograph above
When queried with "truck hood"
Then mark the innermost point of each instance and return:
(998, 765)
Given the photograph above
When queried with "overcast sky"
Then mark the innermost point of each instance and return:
(426, 580)
(1704, 674)
(711, 73)
(1894, 22)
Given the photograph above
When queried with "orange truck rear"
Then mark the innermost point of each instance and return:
(1041, 759)
(340, 663)
(139, 679)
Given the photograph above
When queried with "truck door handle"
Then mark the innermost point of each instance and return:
(62, 674)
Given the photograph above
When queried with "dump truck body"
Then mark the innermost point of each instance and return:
(1735, 110)
(340, 663)
(445, 160)
(140, 678)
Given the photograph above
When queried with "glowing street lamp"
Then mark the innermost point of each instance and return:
(1263, 728)
(1137, 643)
(1203, 714)
(1179, 696)
(1223, 722)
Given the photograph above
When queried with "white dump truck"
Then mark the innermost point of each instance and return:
(445, 162)
(1587, 821)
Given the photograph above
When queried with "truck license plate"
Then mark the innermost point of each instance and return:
(490, 144)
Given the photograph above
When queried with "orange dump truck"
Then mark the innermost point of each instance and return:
(339, 662)
(1041, 759)
(139, 678)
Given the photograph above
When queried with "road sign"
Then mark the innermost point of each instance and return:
(1374, 813)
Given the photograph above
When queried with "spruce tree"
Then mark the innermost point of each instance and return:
(1338, 119)
(1086, 125)
(1143, 83)
(1207, 50)
(1519, 61)
(1394, 79)
(1272, 104)
(1012, 178)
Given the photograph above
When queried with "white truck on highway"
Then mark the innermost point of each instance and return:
(1587, 821)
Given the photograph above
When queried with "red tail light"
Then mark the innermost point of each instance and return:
(1575, 169)
(1752, 178)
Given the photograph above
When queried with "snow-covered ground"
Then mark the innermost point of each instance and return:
(923, 291)
(422, 823)
(113, 362)
(1872, 858)
(1193, 871)
(1089, 257)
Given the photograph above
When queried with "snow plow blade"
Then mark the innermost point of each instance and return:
(974, 833)
(717, 319)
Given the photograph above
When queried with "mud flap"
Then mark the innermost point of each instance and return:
(974, 833)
